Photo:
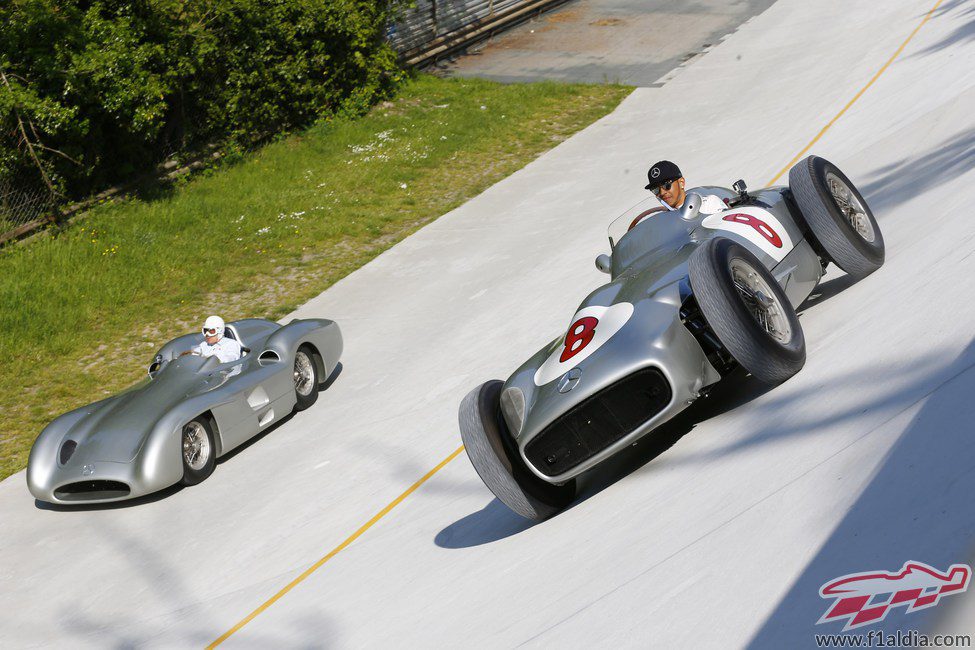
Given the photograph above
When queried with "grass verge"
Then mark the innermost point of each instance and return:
(81, 313)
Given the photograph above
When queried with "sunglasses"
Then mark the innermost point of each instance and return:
(666, 186)
(209, 331)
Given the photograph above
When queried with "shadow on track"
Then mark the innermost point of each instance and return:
(917, 505)
(496, 521)
(825, 291)
(963, 35)
(902, 180)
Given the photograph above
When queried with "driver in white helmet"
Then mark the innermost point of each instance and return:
(215, 343)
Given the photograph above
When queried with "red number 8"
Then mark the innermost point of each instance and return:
(763, 228)
(578, 337)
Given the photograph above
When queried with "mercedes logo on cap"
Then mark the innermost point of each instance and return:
(655, 172)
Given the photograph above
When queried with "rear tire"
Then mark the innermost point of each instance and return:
(747, 310)
(198, 451)
(491, 451)
(838, 216)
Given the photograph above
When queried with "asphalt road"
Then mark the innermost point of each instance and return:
(718, 532)
(633, 42)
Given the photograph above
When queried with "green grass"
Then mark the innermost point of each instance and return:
(82, 312)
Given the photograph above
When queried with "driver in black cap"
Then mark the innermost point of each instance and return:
(667, 184)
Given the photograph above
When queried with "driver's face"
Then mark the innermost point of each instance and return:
(211, 339)
(672, 193)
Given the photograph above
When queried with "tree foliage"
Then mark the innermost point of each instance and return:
(98, 91)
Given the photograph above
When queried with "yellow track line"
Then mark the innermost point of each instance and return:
(335, 551)
(382, 513)
(855, 97)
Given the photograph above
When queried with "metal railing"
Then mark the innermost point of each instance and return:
(436, 28)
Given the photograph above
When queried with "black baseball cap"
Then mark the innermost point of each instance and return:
(661, 172)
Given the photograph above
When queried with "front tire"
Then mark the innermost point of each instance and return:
(198, 451)
(838, 216)
(305, 378)
(491, 451)
(748, 310)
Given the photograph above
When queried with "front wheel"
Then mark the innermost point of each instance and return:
(306, 379)
(747, 309)
(198, 450)
(838, 216)
(491, 452)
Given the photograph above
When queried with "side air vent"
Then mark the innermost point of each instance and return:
(66, 450)
(269, 356)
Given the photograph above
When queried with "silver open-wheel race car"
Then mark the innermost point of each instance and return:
(692, 296)
(189, 411)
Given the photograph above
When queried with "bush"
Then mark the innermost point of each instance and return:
(108, 89)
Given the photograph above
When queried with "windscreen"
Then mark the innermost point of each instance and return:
(622, 224)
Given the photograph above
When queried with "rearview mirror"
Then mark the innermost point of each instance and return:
(155, 366)
(692, 206)
(604, 263)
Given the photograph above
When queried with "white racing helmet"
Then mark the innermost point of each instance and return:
(213, 326)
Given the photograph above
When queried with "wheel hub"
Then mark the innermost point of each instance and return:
(196, 446)
(304, 374)
(851, 207)
(760, 301)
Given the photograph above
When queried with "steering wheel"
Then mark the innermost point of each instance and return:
(646, 213)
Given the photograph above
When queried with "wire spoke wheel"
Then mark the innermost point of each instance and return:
(760, 301)
(851, 207)
(747, 310)
(841, 224)
(196, 446)
(304, 374)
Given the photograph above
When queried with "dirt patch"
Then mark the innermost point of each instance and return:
(565, 16)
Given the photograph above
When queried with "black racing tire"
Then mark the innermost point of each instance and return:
(491, 451)
(305, 378)
(771, 353)
(838, 216)
(198, 451)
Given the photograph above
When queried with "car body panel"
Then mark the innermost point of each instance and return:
(649, 273)
(135, 437)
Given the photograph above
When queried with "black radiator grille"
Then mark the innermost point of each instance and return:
(92, 490)
(598, 422)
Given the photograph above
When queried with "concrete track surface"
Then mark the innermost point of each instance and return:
(716, 533)
(633, 42)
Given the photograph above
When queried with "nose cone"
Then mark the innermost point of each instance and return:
(116, 429)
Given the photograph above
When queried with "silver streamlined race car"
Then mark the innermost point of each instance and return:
(692, 296)
(190, 411)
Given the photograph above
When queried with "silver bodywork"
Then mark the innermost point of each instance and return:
(648, 267)
(130, 444)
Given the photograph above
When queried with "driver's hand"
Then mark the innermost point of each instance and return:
(185, 352)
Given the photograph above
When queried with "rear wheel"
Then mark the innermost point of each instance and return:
(306, 379)
(491, 450)
(747, 310)
(198, 450)
(838, 216)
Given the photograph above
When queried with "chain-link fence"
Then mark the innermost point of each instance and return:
(23, 207)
